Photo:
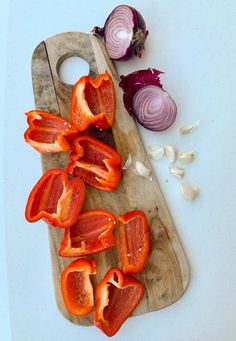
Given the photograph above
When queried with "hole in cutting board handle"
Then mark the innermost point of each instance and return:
(71, 68)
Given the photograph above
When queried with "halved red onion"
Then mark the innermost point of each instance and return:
(145, 99)
(136, 81)
(154, 108)
(124, 33)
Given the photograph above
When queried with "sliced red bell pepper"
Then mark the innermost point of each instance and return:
(93, 102)
(96, 163)
(134, 241)
(117, 295)
(77, 290)
(56, 199)
(92, 233)
(48, 132)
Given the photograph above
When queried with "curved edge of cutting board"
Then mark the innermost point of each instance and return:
(166, 275)
(161, 219)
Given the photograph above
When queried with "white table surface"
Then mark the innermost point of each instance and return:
(194, 42)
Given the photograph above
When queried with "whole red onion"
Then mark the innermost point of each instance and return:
(124, 33)
(145, 99)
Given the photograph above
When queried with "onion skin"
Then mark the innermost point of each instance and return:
(159, 111)
(136, 81)
(138, 38)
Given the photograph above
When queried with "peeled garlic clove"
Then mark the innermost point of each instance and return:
(186, 157)
(189, 128)
(156, 152)
(188, 191)
(186, 129)
(154, 147)
(170, 153)
(176, 171)
(141, 170)
(128, 162)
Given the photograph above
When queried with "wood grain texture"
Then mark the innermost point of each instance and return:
(166, 274)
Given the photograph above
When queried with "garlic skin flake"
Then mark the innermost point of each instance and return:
(128, 162)
(188, 191)
(141, 170)
(186, 157)
(156, 152)
(170, 153)
(177, 171)
(189, 128)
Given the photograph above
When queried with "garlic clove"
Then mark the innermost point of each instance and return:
(154, 147)
(177, 171)
(188, 191)
(156, 152)
(186, 157)
(141, 170)
(170, 153)
(189, 128)
(128, 162)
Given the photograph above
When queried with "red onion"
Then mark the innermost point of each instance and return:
(124, 33)
(154, 108)
(145, 99)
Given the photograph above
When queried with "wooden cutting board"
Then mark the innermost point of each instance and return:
(166, 274)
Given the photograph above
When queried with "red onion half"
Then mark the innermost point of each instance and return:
(154, 108)
(124, 33)
(145, 99)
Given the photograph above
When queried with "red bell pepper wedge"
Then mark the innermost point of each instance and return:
(56, 199)
(77, 290)
(134, 241)
(117, 295)
(92, 233)
(93, 102)
(48, 132)
(96, 163)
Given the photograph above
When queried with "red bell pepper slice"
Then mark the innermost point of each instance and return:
(117, 295)
(92, 233)
(93, 102)
(56, 199)
(77, 290)
(134, 241)
(96, 163)
(48, 132)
